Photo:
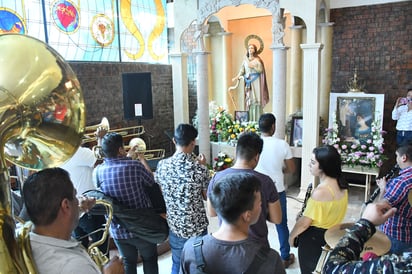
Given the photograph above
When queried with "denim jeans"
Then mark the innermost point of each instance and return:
(282, 229)
(403, 136)
(176, 245)
(129, 248)
(399, 247)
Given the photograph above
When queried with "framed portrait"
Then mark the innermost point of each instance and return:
(354, 113)
(241, 116)
(296, 131)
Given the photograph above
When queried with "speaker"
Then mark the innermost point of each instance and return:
(137, 90)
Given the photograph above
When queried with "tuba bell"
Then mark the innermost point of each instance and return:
(42, 119)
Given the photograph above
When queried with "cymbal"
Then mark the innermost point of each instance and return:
(379, 243)
(410, 197)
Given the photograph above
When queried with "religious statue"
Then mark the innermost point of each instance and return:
(256, 90)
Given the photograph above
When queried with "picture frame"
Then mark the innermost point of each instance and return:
(353, 114)
(296, 132)
(241, 116)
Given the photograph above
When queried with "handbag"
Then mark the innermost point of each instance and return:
(146, 223)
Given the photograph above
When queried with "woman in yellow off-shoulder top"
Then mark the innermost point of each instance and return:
(325, 208)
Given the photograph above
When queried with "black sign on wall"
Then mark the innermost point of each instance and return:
(137, 95)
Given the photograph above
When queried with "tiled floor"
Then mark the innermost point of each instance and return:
(356, 196)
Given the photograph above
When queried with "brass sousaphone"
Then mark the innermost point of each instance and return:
(42, 119)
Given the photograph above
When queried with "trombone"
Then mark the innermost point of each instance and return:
(140, 146)
(134, 131)
(89, 135)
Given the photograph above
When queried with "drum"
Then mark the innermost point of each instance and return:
(379, 243)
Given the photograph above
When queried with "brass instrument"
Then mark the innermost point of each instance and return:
(140, 147)
(97, 256)
(89, 135)
(42, 119)
(138, 143)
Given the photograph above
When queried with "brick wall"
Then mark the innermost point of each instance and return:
(377, 40)
(103, 95)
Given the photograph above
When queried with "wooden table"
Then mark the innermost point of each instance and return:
(367, 171)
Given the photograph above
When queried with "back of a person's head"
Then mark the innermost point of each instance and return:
(43, 193)
(405, 148)
(111, 142)
(266, 121)
(185, 134)
(330, 163)
(248, 146)
(234, 194)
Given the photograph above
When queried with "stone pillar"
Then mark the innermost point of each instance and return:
(207, 39)
(326, 32)
(180, 88)
(294, 99)
(278, 96)
(311, 69)
(203, 102)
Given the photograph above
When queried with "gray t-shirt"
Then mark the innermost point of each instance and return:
(222, 257)
(258, 231)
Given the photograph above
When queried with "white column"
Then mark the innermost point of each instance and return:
(295, 94)
(326, 32)
(180, 88)
(311, 70)
(203, 102)
(278, 96)
(226, 69)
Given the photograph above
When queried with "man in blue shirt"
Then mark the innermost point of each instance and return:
(124, 180)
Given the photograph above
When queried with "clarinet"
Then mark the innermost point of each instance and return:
(388, 176)
(305, 201)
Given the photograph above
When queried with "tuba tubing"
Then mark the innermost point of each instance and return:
(94, 252)
(42, 120)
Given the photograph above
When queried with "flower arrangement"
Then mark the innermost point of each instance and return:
(222, 161)
(219, 122)
(238, 128)
(367, 152)
(223, 127)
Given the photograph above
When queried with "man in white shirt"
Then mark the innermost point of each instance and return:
(275, 160)
(80, 168)
(53, 208)
(403, 115)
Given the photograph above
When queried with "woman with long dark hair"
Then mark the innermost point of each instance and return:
(325, 208)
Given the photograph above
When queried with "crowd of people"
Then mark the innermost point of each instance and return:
(244, 197)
